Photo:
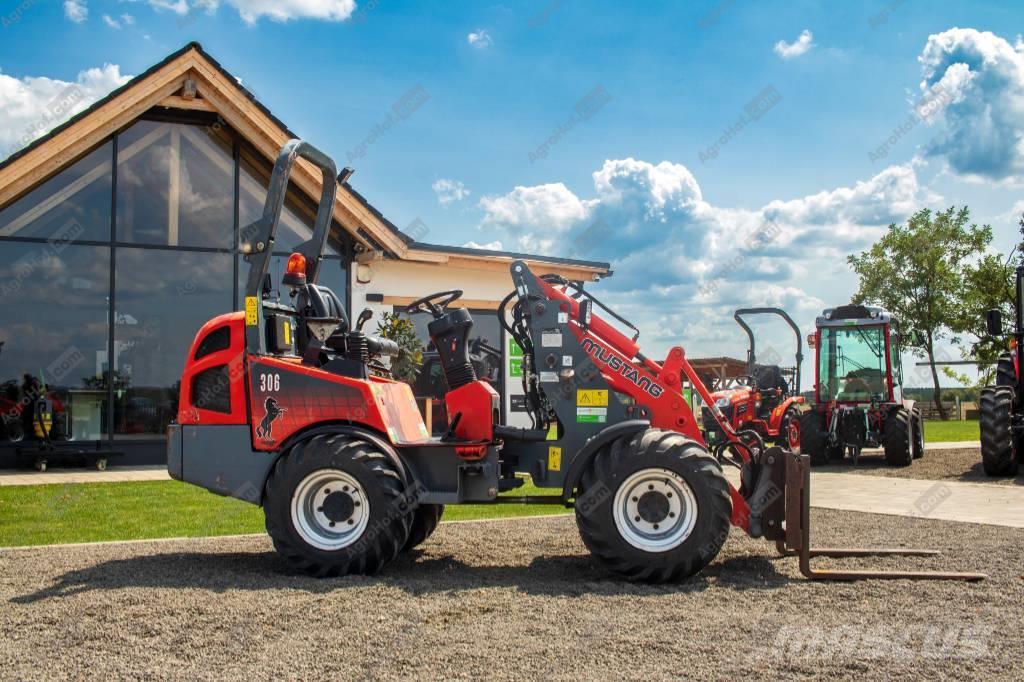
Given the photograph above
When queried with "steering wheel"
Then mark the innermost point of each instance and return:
(856, 385)
(435, 304)
(744, 380)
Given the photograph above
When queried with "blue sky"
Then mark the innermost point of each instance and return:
(661, 84)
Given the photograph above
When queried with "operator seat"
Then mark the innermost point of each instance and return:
(450, 334)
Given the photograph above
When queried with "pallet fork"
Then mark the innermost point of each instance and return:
(788, 522)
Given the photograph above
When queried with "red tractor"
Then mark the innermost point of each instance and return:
(1002, 405)
(767, 398)
(858, 393)
(285, 405)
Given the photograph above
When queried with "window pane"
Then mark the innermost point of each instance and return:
(53, 334)
(333, 275)
(297, 220)
(163, 297)
(175, 186)
(74, 204)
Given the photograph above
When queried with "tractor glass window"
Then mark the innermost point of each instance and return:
(175, 185)
(72, 205)
(53, 340)
(852, 364)
(162, 297)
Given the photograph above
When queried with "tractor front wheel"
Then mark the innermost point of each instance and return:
(336, 505)
(654, 507)
(998, 446)
(789, 430)
(814, 438)
(1006, 374)
(896, 439)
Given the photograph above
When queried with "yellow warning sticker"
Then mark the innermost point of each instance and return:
(552, 432)
(287, 332)
(592, 398)
(554, 458)
(251, 311)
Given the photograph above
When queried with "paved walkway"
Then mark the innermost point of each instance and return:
(156, 472)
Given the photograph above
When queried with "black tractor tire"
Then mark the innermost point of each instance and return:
(998, 449)
(918, 418)
(814, 438)
(896, 433)
(654, 463)
(791, 414)
(377, 485)
(1006, 374)
(424, 523)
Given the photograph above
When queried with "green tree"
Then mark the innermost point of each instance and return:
(401, 330)
(988, 284)
(919, 271)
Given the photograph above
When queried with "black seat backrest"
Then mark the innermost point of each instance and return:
(769, 377)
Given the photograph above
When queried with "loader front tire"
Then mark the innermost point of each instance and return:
(336, 505)
(999, 455)
(654, 507)
(896, 438)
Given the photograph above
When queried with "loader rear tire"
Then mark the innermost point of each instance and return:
(999, 452)
(654, 507)
(336, 505)
(424, 523)
(896, 438)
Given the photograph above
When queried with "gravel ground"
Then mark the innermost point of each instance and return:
(531, 604)
(956, 465)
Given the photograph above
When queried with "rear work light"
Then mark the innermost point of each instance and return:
(295, 271)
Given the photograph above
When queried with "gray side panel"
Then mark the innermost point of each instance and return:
(174, 451)
(221, 459)
(448, 479)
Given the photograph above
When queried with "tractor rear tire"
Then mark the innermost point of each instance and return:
(814, 437)
(424, 523)
(336, 505)
(1006, 375)
(654, 507)
(998, 449)
(896, 433)
(918, 418)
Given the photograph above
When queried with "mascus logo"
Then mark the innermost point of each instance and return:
(616, 364)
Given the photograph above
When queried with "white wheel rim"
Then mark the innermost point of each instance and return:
(330, 510)
(655, 510)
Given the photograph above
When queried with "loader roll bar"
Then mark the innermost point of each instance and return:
(751, 350)
(257, 238)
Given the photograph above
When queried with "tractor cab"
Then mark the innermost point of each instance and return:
(858, 356)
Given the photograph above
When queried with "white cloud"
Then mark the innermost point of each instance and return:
(672, 250)
(449, 191)
(480, 39)
(286, 10)
(76, 10)
(32, 106)
(489, 246)
(127, 19)
(980, 77)
(179, 7)
(798, 47)
(111, 22)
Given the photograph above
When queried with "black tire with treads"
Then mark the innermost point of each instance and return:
(424, 523)
(653, 448)
(1006, 375)
(899, 451)
(918, 425)
(814, 438)
(390, 516)
(998, 451)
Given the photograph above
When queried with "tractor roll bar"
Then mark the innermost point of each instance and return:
(262, 233)
(751, 354)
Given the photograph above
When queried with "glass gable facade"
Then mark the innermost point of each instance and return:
(110, 266)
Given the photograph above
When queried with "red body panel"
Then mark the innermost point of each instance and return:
(190, 408)
(479, 405)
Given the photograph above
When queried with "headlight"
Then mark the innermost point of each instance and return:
(722, 402)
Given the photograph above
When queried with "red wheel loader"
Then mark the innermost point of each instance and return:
(767, 398)
(279, 407)
(1002, 406)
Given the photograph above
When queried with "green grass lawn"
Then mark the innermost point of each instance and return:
(88, 512)
(945, 432)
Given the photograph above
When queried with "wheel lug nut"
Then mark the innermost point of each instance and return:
(636, 499)
(351, 522)
(650, 487)
(357, 503)
(637, 519)
(332, 524)
(668, 494)
(655, 526)
(344, 488)
(672, 514)
(327, 491)
(320, 509)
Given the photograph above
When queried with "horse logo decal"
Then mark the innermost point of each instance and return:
(265, 429)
